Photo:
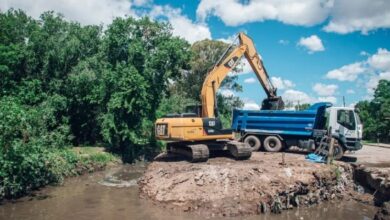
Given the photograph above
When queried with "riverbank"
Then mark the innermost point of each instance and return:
(114, 194)
(35, 170)
(264, 183)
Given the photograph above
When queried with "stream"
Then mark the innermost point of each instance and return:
(113, 194)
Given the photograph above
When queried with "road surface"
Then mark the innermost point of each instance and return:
(370, 156)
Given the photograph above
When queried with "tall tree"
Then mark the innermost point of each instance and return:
(375, 114)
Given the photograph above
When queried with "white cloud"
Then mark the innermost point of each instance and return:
(182, 25)
(245, 66)
(142, 2)
(312, 44)
(380, 60)
(348, 72)
(85, 11)
(324, 89)
(350, 91)
(251, 106)
(373, 69)
(342, 16)
(283, 42)
(374, 80)
(282, 84)
(104, 11)
(250, 80)
(330, 99)
(228, 40)
(358, 15)
(364, 53)
(226, 92)
(234, 12)
(295, 96)
(352, 105)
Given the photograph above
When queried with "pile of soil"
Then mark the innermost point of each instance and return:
(267, 182)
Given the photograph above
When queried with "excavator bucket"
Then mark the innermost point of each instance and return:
(272, 104)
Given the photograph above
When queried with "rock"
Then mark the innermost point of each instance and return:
(200, 182)
(359, 189)
(384, 212)
(288, 172)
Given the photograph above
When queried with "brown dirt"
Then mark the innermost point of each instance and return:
(225, 187)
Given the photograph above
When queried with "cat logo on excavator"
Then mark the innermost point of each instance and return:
(231, 63)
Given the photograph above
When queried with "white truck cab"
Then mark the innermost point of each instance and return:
(346, 126)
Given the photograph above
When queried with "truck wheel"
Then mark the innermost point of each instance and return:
(272, 144)
(253, 141)
(338, 152)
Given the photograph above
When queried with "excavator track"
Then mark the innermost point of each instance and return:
(239, 150)
(195, 152)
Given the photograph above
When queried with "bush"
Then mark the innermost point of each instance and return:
(33, 150)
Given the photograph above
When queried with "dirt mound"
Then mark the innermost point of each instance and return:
(225, 187)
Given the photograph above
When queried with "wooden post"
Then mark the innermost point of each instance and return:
(331, 149)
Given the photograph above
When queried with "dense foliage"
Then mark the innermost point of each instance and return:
(103, 87)
(63, 85)
(375, 114)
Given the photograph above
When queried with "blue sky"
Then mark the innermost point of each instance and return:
(314, 50)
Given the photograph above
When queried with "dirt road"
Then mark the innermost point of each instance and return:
(370, 156)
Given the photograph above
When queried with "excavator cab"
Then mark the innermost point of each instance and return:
(195, 109)
(275, 103)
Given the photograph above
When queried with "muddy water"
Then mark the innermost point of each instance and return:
(113, 194)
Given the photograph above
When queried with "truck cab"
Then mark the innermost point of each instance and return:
(345, 124)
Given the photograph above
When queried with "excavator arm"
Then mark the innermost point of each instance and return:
(215, 77)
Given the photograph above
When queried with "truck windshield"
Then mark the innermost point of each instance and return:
(346, 118)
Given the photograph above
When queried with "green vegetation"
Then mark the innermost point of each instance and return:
(187, 88)
(375, 114)
(65, 85)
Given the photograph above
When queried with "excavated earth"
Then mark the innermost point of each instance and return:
(267, 182)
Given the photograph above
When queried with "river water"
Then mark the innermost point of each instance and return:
(113, 194)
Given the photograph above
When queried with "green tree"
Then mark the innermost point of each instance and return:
(205, 54)
(375, 114)
(142, 57)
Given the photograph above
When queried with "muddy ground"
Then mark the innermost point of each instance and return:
(264, 183)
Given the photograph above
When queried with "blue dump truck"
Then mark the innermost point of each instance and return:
(278, 130)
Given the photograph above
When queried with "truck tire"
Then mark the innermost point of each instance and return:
(272, 144)
(338, 152)
(253, 141)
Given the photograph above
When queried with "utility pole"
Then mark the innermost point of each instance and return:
(344, 101)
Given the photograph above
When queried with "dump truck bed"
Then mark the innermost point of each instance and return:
(292, 123)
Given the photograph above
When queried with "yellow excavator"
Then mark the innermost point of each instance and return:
(194, 134)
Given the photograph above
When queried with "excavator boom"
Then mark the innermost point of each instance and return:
(215, 77)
